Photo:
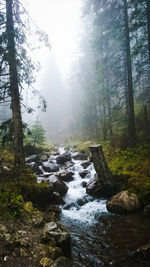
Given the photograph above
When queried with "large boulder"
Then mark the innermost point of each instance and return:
(50, 167)
(58, 186)
(79, 156)
(61, 159)
(123, 202)
(64, 175)
(53, 230)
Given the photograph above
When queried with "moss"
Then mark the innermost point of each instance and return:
(20, 186)
(46, 262)
(135, 164)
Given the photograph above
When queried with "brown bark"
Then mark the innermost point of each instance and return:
(100, 164)
(14, 88)
(131, 119)
(104, 123)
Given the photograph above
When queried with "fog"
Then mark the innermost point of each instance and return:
(60, 19)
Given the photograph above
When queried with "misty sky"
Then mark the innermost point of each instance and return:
(60, 19)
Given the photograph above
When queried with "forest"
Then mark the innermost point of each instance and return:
(74, 133)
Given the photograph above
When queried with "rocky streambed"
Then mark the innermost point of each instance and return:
(99, 237)
(76, 228)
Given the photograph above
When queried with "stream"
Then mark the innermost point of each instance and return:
(98, 237)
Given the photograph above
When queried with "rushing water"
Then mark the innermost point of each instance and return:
(98, 237)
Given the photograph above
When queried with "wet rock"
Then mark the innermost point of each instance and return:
(85, 164)
(84, 184)
(93, 187)
(58, 186)
(63, 158)
(53, 230)
(31, 158)
(46, 175)
(82, 201)
(69, 164)
(62, 262)
(66, 176)
(79, 156)
(84, 173)
(68, 206)
(123, 203)
(50, 167)
(142, 253)
(55, 153)
(96, 188)
(147, 210)
(34, 167)
(44, 158)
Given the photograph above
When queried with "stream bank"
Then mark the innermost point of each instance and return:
(100, 238)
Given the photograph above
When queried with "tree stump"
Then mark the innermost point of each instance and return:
(100, 164)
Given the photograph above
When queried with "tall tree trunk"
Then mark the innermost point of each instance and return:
(109, 110)
(148, 25)
(14, 88)
(131, 119)
(104, 124)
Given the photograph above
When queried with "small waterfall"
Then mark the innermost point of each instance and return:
(79, 205)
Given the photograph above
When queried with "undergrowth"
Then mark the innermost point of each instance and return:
(135, 164)
(18, 187)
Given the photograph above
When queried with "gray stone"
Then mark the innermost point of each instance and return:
(61, 159)
(34, 167)
(31, 158)
(58, 232)
(69, 164)
(79, 156)
(44, 158)
(50, 167)
(65, 175)
(58, 186)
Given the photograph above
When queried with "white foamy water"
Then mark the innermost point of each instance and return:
(79, 205)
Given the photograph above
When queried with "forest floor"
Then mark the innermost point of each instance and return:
(20, 241)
